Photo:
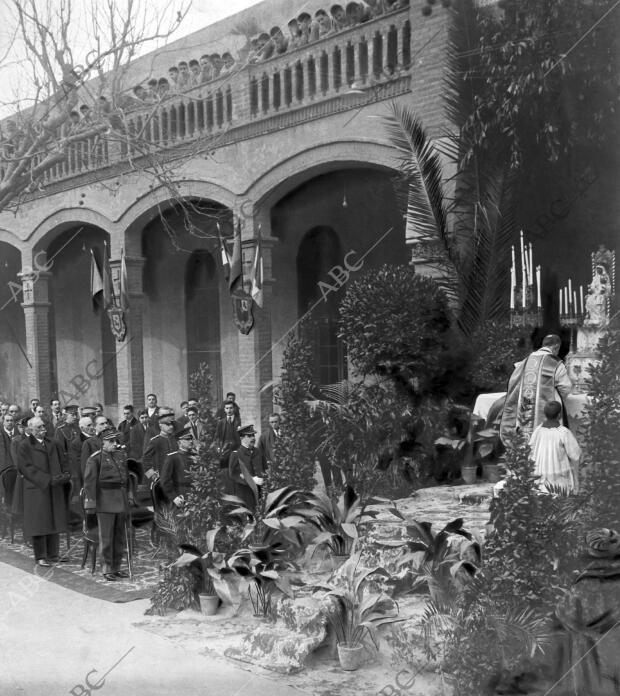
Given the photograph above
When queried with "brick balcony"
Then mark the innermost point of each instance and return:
(348, 70)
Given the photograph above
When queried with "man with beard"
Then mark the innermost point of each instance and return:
(46, 479)
(93, 443)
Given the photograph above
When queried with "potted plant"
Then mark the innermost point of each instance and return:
(216, 581)
(336, 523)
(355, 613)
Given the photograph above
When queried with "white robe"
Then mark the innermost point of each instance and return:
(556, 454)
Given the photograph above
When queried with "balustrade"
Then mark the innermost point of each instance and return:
(360, 57)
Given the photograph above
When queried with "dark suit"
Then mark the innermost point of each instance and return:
(137, 435)
(106, 488)
(45, 504)
(153, 419)
(156, 450)
(69, 438)
(227, 439)
(175, 478)
(253, 461)
(8, 466)
(89, 447)
(267, 444)
(124, 427)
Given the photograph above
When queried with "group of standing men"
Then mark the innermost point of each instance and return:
(72, 468)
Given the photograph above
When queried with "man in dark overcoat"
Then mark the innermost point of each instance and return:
(68, 437)
(252, 458)
(267, 440)
(107, 496)
(45, 492)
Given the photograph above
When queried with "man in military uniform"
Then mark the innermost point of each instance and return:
(175, 479)
(252, 458)
(107, 496)
(67, 435)
(157, 448)
(93, 443)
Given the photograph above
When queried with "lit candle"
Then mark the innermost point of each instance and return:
(514, 265)
(581, 298)
(530, 267)
(570, 289)
(523, 273)
(575, 301)
(560, 292)
(566, 305)
(538, 293)
(513, 282)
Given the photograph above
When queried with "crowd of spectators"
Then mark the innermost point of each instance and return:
(302, 30)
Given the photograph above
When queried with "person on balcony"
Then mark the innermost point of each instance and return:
(295, 35)
(206, 68)
(163, 88)
(216, 62)
(309, 30)
(264, 46)
(357, 13)
(324, 23)
(228, 63)
(339, 17)
(183, 81)
(280, 43)
(195, 73)
(173, 76)
(376, 7)
(151, 91)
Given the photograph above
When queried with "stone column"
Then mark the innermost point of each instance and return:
(36, 305)
(255, 360)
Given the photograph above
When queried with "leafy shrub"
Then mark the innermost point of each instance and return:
(295, 450)
(495, 347)
(396, 321)
(600, 468)
(175, 591)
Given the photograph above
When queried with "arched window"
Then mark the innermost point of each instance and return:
(202, 318)
(319, 252)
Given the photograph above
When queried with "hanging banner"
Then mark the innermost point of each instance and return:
(117, 323)
(242, 310)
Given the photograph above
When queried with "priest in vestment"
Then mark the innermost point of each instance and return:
(536, 381)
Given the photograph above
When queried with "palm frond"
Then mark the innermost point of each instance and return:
(425, 201)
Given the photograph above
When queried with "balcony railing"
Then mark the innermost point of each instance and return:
(370, 54)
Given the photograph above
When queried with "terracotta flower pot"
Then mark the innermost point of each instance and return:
(209, 604)
(468, 474)
(351, 657)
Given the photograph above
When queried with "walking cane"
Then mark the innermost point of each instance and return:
(129, 549)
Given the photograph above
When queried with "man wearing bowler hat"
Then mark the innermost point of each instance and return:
(175, 479)
(107, 496)
(251, 457)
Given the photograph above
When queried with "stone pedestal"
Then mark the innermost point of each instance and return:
(584, 357)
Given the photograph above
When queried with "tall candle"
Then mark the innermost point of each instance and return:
(514, 265)
(530, 267)
(538, 293)
(560, 292)
(570, 290)
(575, 301)
(581, 298)
(513, 282)
(523, 273)
(566, 305)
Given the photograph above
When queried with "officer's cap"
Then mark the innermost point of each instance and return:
(109, 433)
(246, 430)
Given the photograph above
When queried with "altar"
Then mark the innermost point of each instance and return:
(575, 405)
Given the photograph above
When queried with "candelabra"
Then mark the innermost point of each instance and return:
(528, 312)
